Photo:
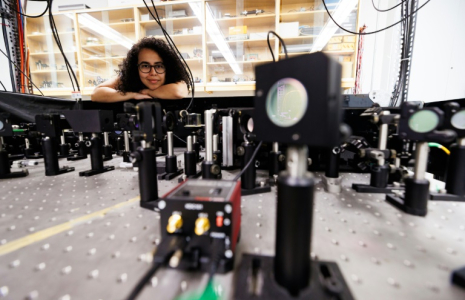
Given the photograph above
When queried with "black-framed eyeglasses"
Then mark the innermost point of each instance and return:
(146, 68)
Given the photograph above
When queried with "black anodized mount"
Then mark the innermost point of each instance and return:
(49, 125)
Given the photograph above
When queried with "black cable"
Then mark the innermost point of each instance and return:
(173, 47)
(3, 86)
(21, 72)
(250, 161)
(179, 138)
(385, 10)
(280, 39)
(24, 15)
(143, 281)
(373, 32)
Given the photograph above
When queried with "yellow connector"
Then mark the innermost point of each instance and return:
(174, 223)
(201, 225)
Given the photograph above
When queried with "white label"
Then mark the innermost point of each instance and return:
(76, 95)
(193, 206)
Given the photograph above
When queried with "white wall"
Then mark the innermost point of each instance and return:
(438, 65)
(380, 56)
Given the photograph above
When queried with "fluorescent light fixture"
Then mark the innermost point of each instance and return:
(98, 28)
(217, 36)
(340, 13)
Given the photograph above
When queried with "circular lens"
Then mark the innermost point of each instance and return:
(458, 120)
(1, 125)
(250, 125)
(286, 102)
(423, 121)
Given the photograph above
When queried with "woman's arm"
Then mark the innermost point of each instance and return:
(168, 91)
(106, 92)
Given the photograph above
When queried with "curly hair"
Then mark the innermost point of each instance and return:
(129, 80)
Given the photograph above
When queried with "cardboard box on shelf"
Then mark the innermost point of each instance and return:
(290, 29)
(237, 30)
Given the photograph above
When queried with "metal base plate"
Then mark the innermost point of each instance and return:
(63, 170)
(366, 188)
(326, 282)
(398, 201)
(446, 197)
(169, 176)
(75, 158)
(95, 172)
(256, 190)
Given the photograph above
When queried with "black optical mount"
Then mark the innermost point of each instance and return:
(171, 167)
(149, 118)
(96, 157)
(7, 130)
(381, 170)
(276, 160)
(81, 149)
(190, 161)
(291, 274)
(95, 122)
(249, 185)
(48, 125)
(412, 122)
(210, 169)
(455, 185)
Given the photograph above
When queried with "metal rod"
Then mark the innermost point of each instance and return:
(28, 144)
(208, 135)
(461, 141)
(275, 147)
(215, 142)
(81, 137)
(194, 138)
(62, 138)
(421, 160)
(106, 140)
(126, 141)
(170, 143)
(1, 143)
(297, 161)
(190, 146)
(383, 133)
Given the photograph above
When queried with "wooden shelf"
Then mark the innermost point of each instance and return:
(240, 62)
(252, 20)
(187, 21)
(52, 71)
(248, 42)
(303, 16)
(103, 58)
(336, 52)
(185, 39)
(49, 53)
(42, 36)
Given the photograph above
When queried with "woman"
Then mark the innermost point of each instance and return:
(150, 70)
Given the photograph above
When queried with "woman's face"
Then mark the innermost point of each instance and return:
(152, 80)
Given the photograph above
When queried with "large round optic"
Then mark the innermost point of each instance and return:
(423, 121)
(1, 125)
(458, 120)
(286, 102)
